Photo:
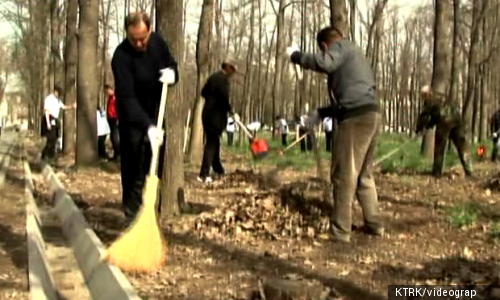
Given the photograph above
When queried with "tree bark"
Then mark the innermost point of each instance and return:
(70, 61)
(338, 16)
(203, 64)
(87, 83)
(443, 51)
(169, 18)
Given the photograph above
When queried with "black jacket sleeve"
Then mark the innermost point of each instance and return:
(132, 111)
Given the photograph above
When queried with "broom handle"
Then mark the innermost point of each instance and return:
(186, 132)
(244, 129)
(380, 160)
(154, 160)
(296, 142)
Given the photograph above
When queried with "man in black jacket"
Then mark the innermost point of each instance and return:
(214, 118)
(351, 87)
(137, 65)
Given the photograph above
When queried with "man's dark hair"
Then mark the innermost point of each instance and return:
(58, 89)
(136, 18)
(224, 65)
(327, 34)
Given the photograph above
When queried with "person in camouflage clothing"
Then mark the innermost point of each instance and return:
(446, 116)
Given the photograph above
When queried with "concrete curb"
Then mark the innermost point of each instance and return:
(41, 282)
(5, 159)
(104, 281)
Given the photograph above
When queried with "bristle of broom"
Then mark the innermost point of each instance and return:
(142, 247)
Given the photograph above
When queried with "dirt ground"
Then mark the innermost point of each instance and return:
(13, 251)
(272, 224)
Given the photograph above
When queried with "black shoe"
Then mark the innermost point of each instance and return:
(377, 231)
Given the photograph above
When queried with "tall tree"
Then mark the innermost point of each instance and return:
(443, 52)
(338, 16)
(169, 20)
(87, 83)
(203, 64)
(70, 60)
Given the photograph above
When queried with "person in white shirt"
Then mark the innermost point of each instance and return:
(282, 126)
(305, 144)
(50, 123)
(328, 127)
(231, 125)
(103, 130)
(254, 127)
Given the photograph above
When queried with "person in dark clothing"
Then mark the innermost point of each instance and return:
(495, 134)
(214, 118)
(351, 87)
(51, 123)
(447, 118)
(137, 64)
(112, 117)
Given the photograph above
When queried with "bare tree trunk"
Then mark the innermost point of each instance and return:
(338, 16)
(443, 52)
(169, 18)
(280, 49)
(203, 63)
(473, 59)
(70, 61)
(87, 83)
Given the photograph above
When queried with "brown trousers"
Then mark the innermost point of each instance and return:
(351, 172)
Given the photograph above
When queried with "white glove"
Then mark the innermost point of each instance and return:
(155, 136)
(312, 119)
(167, 76)
(495, 135)
(290, 50)
(236, 118)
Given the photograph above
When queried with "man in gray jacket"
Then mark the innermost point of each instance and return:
(351, 87)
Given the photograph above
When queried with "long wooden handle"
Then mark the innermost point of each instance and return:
(244, 128)
(154, 160)
(296, 142)
(186, 132)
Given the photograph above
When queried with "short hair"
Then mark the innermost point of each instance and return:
(108, 86)
(224, 65)
(58, 89)
(136, 18)
(327, 34)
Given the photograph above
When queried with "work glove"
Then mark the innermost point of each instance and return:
(294, 53)
(155, 137)
(167, 76)
(312, 119)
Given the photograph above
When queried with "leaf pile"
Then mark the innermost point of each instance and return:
(293, 212)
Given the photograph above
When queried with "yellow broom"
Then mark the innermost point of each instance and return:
(143, 248)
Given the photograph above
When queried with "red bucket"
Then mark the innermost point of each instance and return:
(259, 148)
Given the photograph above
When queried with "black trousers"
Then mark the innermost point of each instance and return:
(101, 146)
(114, 136)
(136, 159)
(283, 139)
(306, 143)
(49, 151)
(328, 135)
(230, 136)
(211, 156)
